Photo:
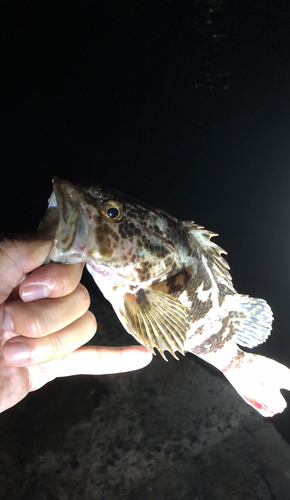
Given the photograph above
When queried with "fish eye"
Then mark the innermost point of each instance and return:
(112, 210)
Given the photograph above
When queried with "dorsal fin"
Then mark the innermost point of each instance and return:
(213, 252)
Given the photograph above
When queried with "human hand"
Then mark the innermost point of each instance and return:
(44, 320)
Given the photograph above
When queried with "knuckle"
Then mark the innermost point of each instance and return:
(57, 345)
(36, 327)
(91, 323)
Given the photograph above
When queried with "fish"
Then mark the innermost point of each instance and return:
(168, 284)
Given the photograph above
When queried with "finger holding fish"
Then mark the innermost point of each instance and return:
(50, 281)
(36, 321)
(35, 328)
(39, 318)
(25, 351)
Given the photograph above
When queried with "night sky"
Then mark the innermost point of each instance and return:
(184, 105)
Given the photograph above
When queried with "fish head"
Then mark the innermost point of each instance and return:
(121, 238)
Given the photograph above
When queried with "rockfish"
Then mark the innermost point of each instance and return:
(168, 284)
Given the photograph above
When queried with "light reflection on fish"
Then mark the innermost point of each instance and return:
(168, 284)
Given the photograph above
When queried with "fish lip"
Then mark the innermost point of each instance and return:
(67, 217)
(68, 211)
(50, 220)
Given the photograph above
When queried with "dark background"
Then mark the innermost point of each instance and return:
(182, 104)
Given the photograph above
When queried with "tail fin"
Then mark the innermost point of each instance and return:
(258, 381)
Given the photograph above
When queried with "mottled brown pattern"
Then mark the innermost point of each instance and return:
(216, 341)
(104, 237)
(199, 309)
(199, 277)
(207, 284)
(144, 271)
(174, 284)
(141, 298)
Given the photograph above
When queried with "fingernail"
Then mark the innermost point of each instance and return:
(7, 323)
(34, 292)
(15, 352)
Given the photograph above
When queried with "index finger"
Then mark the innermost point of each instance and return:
(90, 360)
(101, 360)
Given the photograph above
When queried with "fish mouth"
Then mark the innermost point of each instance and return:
(67, 219)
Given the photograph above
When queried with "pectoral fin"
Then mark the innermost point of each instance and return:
(156, 319)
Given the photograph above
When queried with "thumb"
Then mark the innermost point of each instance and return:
(19, 256)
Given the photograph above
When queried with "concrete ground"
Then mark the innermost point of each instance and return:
(172, 431)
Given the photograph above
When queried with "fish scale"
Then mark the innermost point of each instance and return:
(168, 284)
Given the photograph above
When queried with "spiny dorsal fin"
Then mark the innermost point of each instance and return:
(213, 252)
(156, 319)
